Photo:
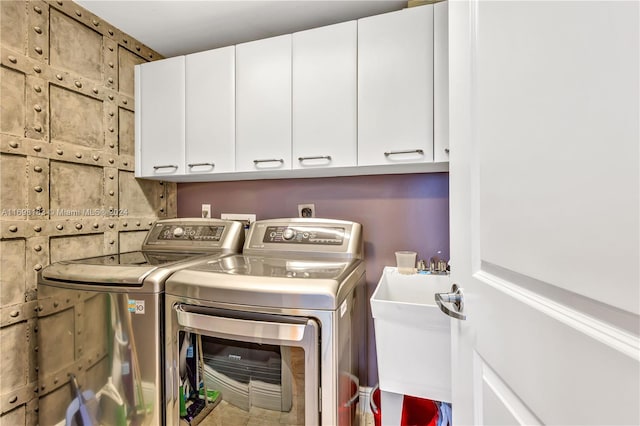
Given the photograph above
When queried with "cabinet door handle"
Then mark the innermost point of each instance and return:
(270, 160)
(318, 157)
(411, 151)
(168, 166)
(201, 164)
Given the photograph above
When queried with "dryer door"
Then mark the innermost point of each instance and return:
(264, 366)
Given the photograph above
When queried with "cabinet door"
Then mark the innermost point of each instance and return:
(441, 81)
(324, 96)
(210, 111)
(395, 87)
(160, 118)
(263, 104)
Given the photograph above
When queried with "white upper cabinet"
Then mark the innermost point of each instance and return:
(441, 82)
(160, 119)
(210, 111)
(325, 97)
(263, 105)
(395, 87)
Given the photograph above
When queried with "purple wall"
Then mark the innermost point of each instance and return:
(398, 212)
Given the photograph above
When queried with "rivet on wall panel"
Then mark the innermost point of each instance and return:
(111, 225)
(37, 107)
(37, 267)
(111, 129)
(125, 41)
(37, 247)
(78, 84)
(59, 227)
(125, 224)
(111, 177)
(59, 151)
(151, 55)
(161, 209)
(111, 145)
(14, 314)
(111, 48)
(112, 242)
(39, 210)
(38, 50)
(126, 163)
(110, 64)
(110, 97)
(13, 228)
(78, 226)
(13, 399)
(110, 80)
(37, 169)
(38, 30)
(124, 101)
(38, 89)
(138, 223)
(110, 32)
(37, 228)
(111, 193)
(37, 128)
(78, 155)
(95, 90)
(78, 13)
(37, 148)
(96, 23)
(111, 161)
(161, 196)
(38, 10)
(59, 77)
(96, 157)
(55, 380)
(37, 69)
(96, 226)
(150, 223)
(111, 114)
(13, 59)
(138, 48)
(60, 3)
(14, 144)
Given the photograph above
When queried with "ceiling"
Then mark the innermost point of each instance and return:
(180, 27)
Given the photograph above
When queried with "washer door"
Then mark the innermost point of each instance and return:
(264, 366)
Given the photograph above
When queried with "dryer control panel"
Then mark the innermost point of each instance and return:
(304, 235)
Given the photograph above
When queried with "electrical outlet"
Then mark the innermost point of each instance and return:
(306, 210)
(246, 218)
(206, 211)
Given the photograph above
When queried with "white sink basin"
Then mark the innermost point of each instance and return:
(412, 335)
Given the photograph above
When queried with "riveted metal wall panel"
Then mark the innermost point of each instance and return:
(126, 126)
(131, 241)
(75, 247)
(66, 138)
(76, 118)
(14, 13)
(70, 199)
(12, 84)
(13, 267)
(75, 47)
(14, 337)
(127, 60)
(141, 197)
(13, 198)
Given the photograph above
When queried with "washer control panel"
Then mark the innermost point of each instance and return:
(300, 234)
(190, 232)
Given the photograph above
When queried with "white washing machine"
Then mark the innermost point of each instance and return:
(278, 331)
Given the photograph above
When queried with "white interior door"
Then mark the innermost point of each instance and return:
(545, 217)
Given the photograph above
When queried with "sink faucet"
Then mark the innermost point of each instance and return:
(437, 265)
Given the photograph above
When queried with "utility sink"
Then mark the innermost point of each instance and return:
(413, 337)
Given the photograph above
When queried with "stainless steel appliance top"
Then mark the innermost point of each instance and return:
(286, 263)
(169, 245)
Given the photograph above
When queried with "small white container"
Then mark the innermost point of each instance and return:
(406, 262)
(413, 336)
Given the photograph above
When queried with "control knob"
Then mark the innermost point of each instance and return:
(178, 232)
(288, 234)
